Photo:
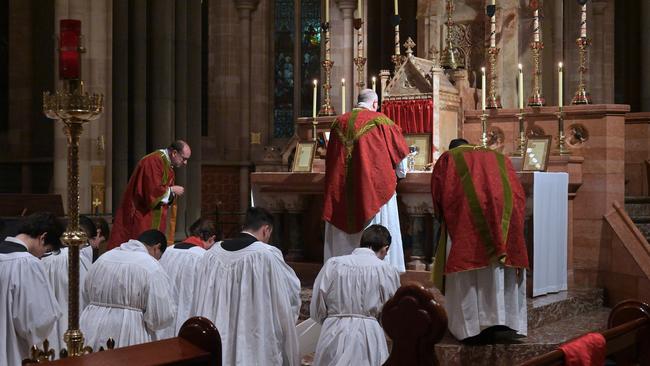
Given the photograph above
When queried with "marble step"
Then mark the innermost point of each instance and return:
(551, 308)
(540, 340)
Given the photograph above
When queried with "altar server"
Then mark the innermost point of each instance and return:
(28, 310)
(179, 261)
(251, 295)
(128, 293)
(348, 296)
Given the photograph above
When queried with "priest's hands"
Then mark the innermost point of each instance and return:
(177, 190)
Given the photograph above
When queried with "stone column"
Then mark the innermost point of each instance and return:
(138, 91)
(645, 56)
(161, 63)
(180, 106)
(120, 123)
(349, 70)
(245, 8)
(193, 182)
(600, 57)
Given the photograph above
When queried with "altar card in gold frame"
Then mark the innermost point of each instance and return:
(304, 157)
(420, 147)
(537, 152)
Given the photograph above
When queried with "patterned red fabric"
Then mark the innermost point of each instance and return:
(141, 207)
(412, 116)
(588, 350)
(355, 192)
(468, 251)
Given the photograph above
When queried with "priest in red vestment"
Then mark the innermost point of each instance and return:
(481, 202)
(149, 193)
(365, 154)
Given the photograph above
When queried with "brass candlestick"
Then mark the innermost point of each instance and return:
(359, 61)
(582, 96)
(561, 138)
(326, 108)
(484, 134)
(396, 58)
(493, 99)
(73, 107)
(521, 143)
(537, 98)
(450, 58)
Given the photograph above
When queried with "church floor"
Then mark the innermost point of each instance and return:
(552, 319)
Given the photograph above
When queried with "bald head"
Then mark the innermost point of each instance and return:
(179, 153)
(367, 99)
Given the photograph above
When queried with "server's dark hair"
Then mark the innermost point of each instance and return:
(256, 217)
(375, 237)
(43, 222)
(153, 237)
(177, 145)
(203, 228)
(457, 142)
(88, 226)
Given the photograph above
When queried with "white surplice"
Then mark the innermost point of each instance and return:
(337, 242)
(56, 267)
(482, 298)
(349, 294)
(28, 310)
(253, 298)
(180, 265)
(129, 297)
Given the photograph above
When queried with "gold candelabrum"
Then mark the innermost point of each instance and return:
(326, 108)
(484, 131)
(493, 99)
(537, 98)
(561, 138)
(359, 61)
(397, 58)
(521, 143)
(73, 107)
(582, 96)
(450, 58)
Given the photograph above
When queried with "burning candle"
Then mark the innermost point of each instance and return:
(483, 87)
(583, 21)
(374, 84)
(536, 30)
(396, 12)
(559, 84)
(327, 11)
(342, 96)
(359, 9)
(313, 113)
(521, 87)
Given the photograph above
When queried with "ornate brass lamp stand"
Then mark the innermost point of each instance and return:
(359, 61)
(326, 108)
(582, 96)
(73, 107)
(484, 132)
(537, 99)
(521, 143)
(450, 58)
(561, 137)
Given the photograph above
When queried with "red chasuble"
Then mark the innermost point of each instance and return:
(141, 207)
(362, 153)
(477, 193)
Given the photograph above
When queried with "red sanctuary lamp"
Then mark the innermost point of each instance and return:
(73, 107)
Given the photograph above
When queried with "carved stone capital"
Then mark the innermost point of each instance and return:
(347, 4)
(246, 7)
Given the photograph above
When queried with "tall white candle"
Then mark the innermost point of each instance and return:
(327, 11)
(342, 96)
(396, 12)
(483, 88)
(521, 87)
(559, 84)
(313, 113)
(536, 30)
(374, 84)
(493, 28)
(583, 21)
(359, 9)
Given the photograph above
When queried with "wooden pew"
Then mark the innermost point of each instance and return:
(415, 322)
(627, 337)
(198, 343)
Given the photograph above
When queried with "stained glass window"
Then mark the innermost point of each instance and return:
(283, 70)
(310, 50)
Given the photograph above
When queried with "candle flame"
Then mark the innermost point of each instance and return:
(483, 70)
(520, 67)
(559, 64)
(315, 82)
(374, 78)
(343, 81)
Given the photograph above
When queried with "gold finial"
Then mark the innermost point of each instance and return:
(39, 356)
(409, 45)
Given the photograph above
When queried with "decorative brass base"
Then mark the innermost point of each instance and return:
(561, 137)
(536, 100)
(326, 109)
(484, 135)
(521, 144)
(581, 97)
(74, 339)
